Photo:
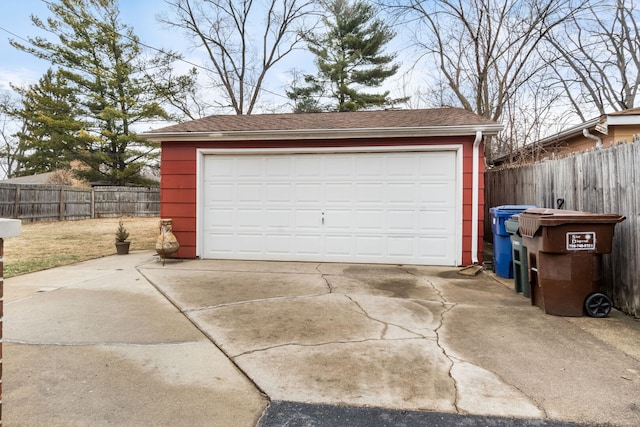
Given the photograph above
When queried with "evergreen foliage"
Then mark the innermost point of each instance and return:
(349, 58)
(104, 85)
(49, 138)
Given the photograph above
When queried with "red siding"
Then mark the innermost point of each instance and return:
(178, 194)
(178, 183)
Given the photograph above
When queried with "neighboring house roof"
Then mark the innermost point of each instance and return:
(440, 121)
(38, 179)
(595, 129)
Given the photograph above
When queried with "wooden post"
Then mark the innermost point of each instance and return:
(61, 213)
(8, 228)
(16, 203)
(93, 203)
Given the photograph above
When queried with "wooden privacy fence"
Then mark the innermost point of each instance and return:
(601, 181)
(64, 203)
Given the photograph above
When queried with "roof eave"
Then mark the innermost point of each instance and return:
(301, 134)
(568, 133)
(623, 119)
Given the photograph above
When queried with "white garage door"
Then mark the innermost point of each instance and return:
(397, 207)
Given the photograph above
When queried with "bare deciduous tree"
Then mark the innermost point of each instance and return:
(484, 50)
(598, 58)
(10, 125)
(243, 40)
(485, 55)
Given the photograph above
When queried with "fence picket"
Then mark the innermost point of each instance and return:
(60, 203)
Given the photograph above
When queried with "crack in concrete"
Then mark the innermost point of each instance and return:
(447, 307)
(296, 344)
(386, 324)
(323, 277)
(537, 404)
(364, 312)
(206, 334)
(250, 301)
(442, 348)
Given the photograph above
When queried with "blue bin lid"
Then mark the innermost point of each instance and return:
(507, 211)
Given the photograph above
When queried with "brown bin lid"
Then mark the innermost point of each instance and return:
(534, 218)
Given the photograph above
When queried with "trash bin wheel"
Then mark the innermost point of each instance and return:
(597, 305)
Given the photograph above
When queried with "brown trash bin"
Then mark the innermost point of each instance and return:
(565, 254)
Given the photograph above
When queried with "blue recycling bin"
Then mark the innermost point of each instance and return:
(502, 256)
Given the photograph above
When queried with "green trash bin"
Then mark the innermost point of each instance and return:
(519, 257)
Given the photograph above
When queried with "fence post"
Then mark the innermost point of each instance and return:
(61, 212)
(16, 203)
(93, 203)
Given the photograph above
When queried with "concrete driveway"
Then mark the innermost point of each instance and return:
(128, 341)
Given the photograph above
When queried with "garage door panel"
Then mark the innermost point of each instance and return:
(220, 168)
(279, 193)
(371, 220)
(436, 222)
(220, 218)
(248, 167)
(434, 247)
(308, 219)
(309, 193)
(250, 218)
(339, 193)
(221, 192)
(278, 166)
(402, 221)
(370, 246)
(221, 243)
(401, 166)
(308, 244)
(343, 207)
(402, 247)
(249, 193)
(278, 244)
(339, 245)
(309, 167)
(370, 193)
(437, 166)
(250, 243)
(371, 167)
(338, 220)
(279, 218)
(339, 167)
(401, 193)
(437, 194)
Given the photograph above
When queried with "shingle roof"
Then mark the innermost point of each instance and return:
(439, 117)
(629, 112)
(39, 179)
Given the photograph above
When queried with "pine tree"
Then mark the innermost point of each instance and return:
(106, 74)
(349, 59)
(49, 136)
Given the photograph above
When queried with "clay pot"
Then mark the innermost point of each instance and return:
(166, 244)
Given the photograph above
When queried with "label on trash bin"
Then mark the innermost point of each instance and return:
(584, 241)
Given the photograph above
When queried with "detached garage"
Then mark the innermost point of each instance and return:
(400, 186)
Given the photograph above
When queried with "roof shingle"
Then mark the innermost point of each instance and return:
(378, 119)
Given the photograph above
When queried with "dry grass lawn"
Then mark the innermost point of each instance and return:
(44, 245)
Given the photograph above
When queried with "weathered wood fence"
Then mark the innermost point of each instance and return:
(64, 203)
(601, 181)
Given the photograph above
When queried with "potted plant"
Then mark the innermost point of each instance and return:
(122, 244)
